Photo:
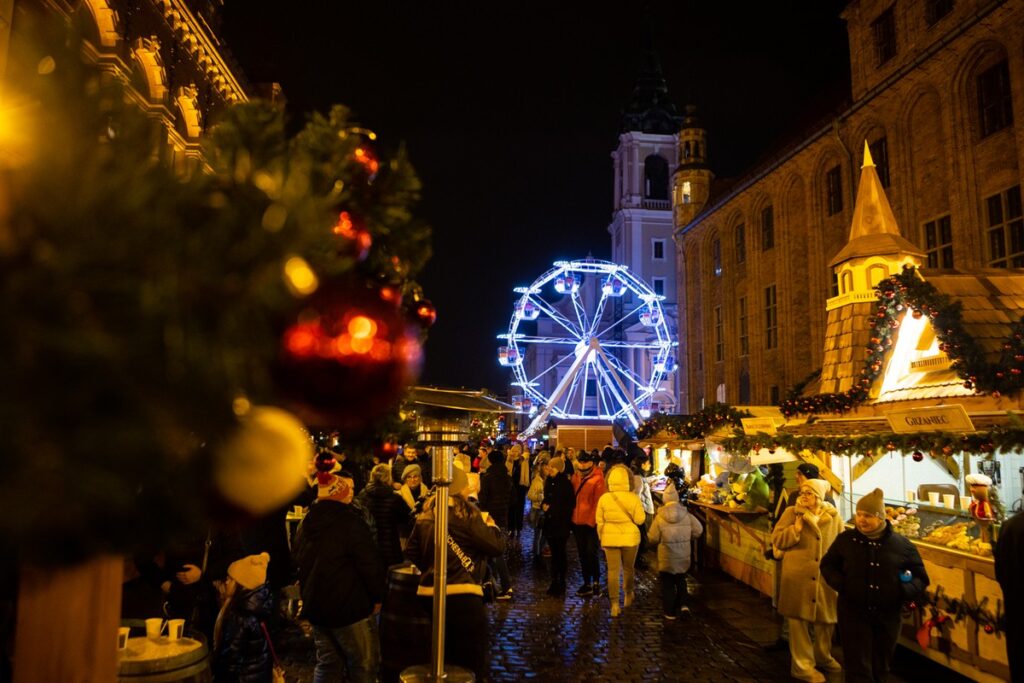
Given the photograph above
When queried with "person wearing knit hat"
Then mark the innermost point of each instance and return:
(802, 535)
(518, 465)
(341, 582)
(872, 504)
(875, 571)
(240, 650)
(672, 531)
(558, 503)
(412, 490)
(472, 540)
(496, 499)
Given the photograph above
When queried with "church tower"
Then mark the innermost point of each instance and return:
(641, 227)
(691, 182)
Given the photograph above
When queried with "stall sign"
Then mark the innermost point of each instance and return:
(952, 418)
(753, 425)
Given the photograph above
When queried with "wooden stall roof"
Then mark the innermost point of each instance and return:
(458, 399)
(992, 300)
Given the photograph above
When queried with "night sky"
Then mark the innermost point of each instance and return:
(510, 114)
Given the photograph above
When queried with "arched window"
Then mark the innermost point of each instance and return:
(686, 150)
(655, 177)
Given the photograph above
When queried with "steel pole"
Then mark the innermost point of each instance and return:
(442, 467)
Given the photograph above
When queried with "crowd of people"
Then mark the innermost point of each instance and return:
(855, 581)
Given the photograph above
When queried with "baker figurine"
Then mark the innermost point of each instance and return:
(981, 508)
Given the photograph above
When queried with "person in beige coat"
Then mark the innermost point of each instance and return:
(803, 534)
(619, 511)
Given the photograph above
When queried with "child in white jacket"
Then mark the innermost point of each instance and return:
(619, 511)
(673, 529)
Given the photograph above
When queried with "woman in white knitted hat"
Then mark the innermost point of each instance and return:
(240, 649)
(803, 534)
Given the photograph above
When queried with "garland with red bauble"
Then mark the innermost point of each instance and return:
(937, 610)
(907, 291)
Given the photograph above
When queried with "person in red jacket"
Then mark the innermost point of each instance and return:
(589, 484)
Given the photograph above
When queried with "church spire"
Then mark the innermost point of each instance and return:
(873, 230)
(650, 110)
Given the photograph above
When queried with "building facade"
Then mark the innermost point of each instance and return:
(641, 227)
(177, 69)
(935, 86)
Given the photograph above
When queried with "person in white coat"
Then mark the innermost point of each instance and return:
(803, 534)
(619, 511)
(672, 530)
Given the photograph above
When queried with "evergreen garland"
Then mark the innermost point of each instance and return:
(695, 426)
(904, 292)
(939, 608)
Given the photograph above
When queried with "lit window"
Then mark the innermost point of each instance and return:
(686, 192)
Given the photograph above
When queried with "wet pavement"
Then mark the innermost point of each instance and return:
(726, 638)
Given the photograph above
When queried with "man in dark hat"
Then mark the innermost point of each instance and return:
(875, 571)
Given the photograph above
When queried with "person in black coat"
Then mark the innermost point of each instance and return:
(875, 570)
(240, 649)
(472, 539)
(1009, 558)
(389, 511)
(342, 582)
(559, 502)
(495, 496)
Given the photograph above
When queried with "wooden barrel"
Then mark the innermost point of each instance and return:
(161, 661)
(404, 625)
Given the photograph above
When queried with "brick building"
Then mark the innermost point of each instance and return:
(934, 88)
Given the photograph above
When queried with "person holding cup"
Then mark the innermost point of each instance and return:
(240, 648)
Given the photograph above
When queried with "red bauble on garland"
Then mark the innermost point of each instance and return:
(355, 239)
(426, 313)
(918, 456)
(346, 357)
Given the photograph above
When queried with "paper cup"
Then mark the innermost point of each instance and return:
(933, 498)
(911, 495)
(965, 502)
(154, 627)
(122, 637)
(175, 629)
(949, 500)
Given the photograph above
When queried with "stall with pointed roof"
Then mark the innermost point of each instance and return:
(920, 388)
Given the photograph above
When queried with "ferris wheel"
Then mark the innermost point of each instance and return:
(573, 343)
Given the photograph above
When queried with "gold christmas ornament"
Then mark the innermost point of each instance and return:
(263, 465)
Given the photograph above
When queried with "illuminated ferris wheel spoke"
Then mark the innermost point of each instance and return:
(526, 339)
(609, 384)
(599, 311)
(632, 345)
(634, 414)
(581, 314)
(625, 370)
(551, 367)
(555, 315)
(621, 320)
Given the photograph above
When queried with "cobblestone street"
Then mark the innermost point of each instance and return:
(726, 638)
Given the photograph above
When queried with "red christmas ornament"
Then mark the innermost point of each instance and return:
(1019, 357)
(918, 456)
(391, 294)
(368, 161)
(989, 628)
(356, 241)
(426, 313)
(346, 357)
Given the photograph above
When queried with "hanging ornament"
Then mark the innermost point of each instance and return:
(391, 294)
(346, 357)
(426, 313)
(263, 464)
(918, 456)
(989, 628)
(365, 157)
